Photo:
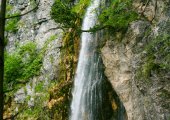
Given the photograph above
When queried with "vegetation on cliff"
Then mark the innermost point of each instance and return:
(157, 58)
(26, 61)
(118, 15)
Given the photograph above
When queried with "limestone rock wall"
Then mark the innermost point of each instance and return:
(142, 100)
(38, 27)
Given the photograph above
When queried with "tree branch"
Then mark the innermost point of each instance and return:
(57, 28)
(2, 30)
(24, 13)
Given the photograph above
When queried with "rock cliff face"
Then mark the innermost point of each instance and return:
(38, 27)
(124, 55)
(143, 100)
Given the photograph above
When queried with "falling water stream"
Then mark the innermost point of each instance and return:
(90, 99)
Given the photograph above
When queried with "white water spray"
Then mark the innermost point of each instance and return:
(90, 94)
(86, 69)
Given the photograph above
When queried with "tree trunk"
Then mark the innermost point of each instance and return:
(2, 29)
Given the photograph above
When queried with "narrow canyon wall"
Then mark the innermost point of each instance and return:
(37, 27)
(143, 100)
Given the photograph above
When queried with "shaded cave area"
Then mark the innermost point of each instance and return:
(112, 105)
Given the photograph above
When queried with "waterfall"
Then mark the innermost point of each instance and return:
(90, 96)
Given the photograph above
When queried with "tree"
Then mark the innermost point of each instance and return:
(2, 31)
(62, 13)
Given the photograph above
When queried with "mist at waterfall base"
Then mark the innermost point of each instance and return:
(92, 93)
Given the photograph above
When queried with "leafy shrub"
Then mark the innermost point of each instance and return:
(61, 13)
(33, 61)
(66, 12)
(157, 58)
(11, 24)
(22, 64)
(80, 7)
(118, 15)
(9, 7)
(13, 68)
(159, 51)
(29, 48)
(39, 111)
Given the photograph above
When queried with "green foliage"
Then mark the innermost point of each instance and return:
(80, 7)
(28, 48)
(22, 64)
(12, 68)
(32, 60)
(39, 111)
(39, 87)
(66, 12)
(158, 49)
(157, 58)
(9, 8)
(11, 24)
(61, 13)
(32, 68)
(118, 15)
(61, 92)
